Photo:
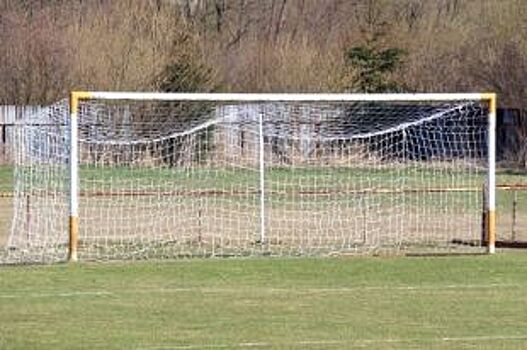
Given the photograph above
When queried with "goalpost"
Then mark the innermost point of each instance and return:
(155, 175)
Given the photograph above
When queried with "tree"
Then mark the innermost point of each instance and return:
(185, 72)
(182, 75)
(368, 68)
(34, 59)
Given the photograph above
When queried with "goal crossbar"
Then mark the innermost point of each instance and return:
(280, 97)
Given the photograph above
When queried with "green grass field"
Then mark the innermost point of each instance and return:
(277, 178)
(464, 302)
(456, 302)
(6, 204)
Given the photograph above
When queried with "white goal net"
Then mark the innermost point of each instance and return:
(169, 177)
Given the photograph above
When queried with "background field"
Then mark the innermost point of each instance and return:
(285, 188)
(376, 303)
(6, 203)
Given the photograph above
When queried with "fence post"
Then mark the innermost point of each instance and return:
(514, 207)
(484, 231)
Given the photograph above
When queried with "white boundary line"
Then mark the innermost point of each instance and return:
(342, 290)
(22, 295)
(357, 342)
(258, 290)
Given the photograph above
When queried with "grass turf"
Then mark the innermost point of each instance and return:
(380, 303)
(6, 203)
(412, 177)
(6, 178)
(211, 177)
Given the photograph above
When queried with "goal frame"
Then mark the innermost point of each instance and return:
(77, 96)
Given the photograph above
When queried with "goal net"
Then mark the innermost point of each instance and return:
(182, 175)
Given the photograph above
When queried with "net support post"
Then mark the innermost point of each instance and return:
(75, 97)
(262, 176)
(491, 176)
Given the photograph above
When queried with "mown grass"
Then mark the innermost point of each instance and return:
(6, 210)
(334, 303)
(6, 178)
(278, 177)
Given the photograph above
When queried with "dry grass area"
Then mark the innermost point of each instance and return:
(505, 229)
(169, 226)
(123, 225)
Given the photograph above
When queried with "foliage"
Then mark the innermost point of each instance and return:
(372, 68)
(50, 47)
(185, 76)
(185, 69)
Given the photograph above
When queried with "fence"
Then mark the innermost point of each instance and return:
(511, 149)
(9, 115)
(511, 131)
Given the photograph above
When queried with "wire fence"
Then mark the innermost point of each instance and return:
(511, 133)
(511, 154)
(9, 116)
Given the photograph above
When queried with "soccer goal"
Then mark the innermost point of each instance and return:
(110, 175)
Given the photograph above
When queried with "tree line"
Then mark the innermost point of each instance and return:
(50, 47)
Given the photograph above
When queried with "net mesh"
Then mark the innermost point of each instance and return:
(180, 179)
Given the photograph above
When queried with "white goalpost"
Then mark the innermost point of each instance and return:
(119, 175)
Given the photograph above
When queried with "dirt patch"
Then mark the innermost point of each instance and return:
(113, 227)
